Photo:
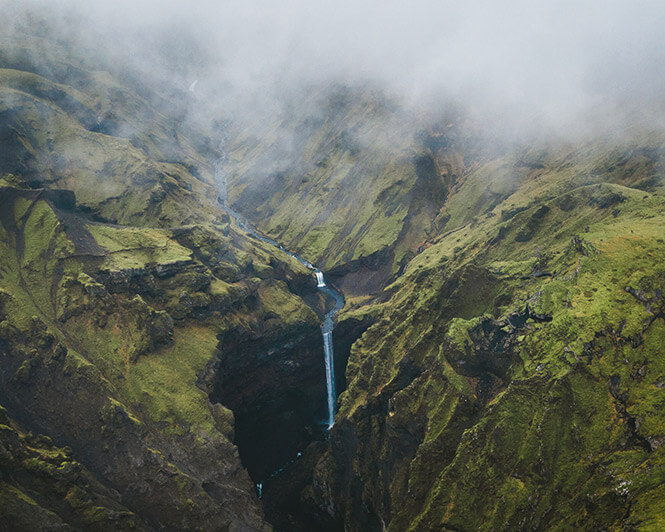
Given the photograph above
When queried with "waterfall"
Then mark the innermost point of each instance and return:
(328, 354)
(328, 324)
(330, 376)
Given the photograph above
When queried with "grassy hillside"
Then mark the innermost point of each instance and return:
(341, 176)
(510, 370)
(514, 377)
(66, 124)
(119, 282)
(108, 336)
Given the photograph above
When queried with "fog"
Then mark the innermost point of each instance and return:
(563, 66)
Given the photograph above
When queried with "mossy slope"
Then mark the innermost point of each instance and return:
(514, 379)
(64, 123)
(119, 278)
(44, 487)
(110, 341)
(340, 177)
(356, 182)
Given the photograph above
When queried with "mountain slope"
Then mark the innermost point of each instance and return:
(121, 286)
(514, 377)
(344, 177)
(157, 362)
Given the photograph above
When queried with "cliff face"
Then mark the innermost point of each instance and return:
(112, 340)
(121, 287)
(513, 377)
(101, 351)
(510, 377)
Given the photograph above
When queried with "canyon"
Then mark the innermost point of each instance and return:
(397, 323)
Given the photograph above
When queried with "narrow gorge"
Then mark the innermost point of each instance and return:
(267, 451)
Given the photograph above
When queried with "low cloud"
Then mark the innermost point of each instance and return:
(561, 65)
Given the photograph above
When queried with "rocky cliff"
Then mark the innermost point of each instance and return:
(122, 286)
(512, 378)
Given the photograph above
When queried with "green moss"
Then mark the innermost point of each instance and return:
(135, 248)
(220, 289)
(343, 199)
(568, 435)
(492, 181)
(12, 181)
(122, 180)
(562, 440)
(21, 206)
(163, 385)
(75, 363)
(458, 332)
(8, 492)
(288, 309)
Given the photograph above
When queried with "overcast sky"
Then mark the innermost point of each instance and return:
(546, 61)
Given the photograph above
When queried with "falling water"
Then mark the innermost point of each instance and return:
(330, 377)
(328, 323)
(326, 328)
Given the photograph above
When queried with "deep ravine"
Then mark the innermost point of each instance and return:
(328, 322)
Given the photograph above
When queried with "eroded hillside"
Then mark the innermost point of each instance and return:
(347, 178)
(513, 378)
(122, 289)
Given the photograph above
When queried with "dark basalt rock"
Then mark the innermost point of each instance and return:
(61, 199)
(606, 199)
(275, 385)
(366, 275)
(46, 388)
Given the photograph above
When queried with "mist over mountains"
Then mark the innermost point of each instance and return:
(568, 66)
